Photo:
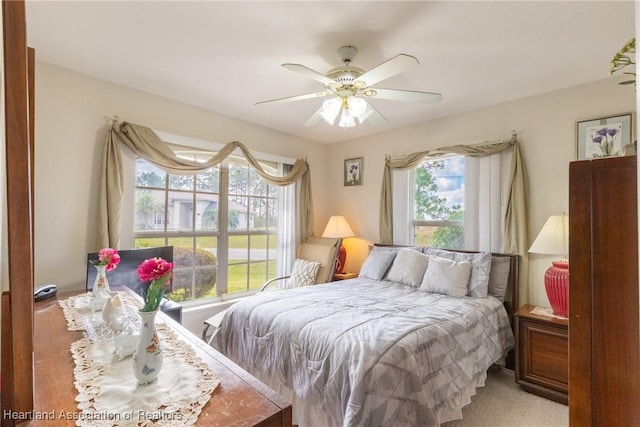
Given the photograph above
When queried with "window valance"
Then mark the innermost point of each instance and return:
(515, 218)
(144, 142)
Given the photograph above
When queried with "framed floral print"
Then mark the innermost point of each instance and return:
(353, 171)
(604, 137)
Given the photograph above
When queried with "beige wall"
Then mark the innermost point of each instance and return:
(546, 126)
(73, 112)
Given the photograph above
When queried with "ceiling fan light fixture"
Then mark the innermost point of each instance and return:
(365, 115)
(357, 106)
(331, 109)
(351, 109)
(346, 119)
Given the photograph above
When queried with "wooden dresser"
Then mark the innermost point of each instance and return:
(604, 333)
(239, 400)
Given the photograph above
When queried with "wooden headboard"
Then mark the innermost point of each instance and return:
(511, 299)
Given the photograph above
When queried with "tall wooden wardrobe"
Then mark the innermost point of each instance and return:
(604, 335)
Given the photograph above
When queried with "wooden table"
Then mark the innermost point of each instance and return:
(239, 400)
(344, 276)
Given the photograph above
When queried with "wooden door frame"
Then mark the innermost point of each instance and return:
(17, 347)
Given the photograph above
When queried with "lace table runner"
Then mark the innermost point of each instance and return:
(108, 391)
(546, 311)
(77, 309)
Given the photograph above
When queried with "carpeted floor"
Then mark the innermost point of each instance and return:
(502, 403)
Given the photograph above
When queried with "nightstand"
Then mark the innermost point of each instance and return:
(542, 354)
(344, 276)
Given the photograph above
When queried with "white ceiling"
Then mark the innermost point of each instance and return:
(226, 56)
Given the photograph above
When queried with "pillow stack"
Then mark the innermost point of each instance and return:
(441, 271)
(480, 268)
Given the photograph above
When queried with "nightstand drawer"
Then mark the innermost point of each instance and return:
(542, 355)
(548, 358)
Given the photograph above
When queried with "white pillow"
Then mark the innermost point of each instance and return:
(303, 273)
(445, 276)
(408, 267)
(376, 264)
(480, 268)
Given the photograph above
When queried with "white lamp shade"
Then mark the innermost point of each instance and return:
(553, 239)
(330, 109)
(365, 115)
(337, 227)
(346, 119)
(357, 106)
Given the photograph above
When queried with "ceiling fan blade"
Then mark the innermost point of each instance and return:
(390, 68)
(407, 95)
(375, 117)
(309, 73)
(295, 98)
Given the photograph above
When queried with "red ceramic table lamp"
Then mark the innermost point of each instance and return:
(338, 227)
(554, 240)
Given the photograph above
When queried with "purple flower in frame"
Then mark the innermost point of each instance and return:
(605, 137)
(353, 172)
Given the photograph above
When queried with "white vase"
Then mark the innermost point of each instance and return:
(147, 360)
(101, 284)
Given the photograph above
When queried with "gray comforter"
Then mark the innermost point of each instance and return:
(369, 353)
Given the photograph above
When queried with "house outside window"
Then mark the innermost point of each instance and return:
(438, 203)
(222, 223)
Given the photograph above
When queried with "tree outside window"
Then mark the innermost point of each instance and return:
(184, 211)
(439, 203)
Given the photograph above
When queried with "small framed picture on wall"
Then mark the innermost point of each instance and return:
(353, 171)
(604, 137)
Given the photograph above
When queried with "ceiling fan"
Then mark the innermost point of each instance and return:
(349, 88)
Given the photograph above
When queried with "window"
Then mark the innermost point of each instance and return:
(222, 223)
(438, 203)
(252, 227)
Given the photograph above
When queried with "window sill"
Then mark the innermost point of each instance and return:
(194, 314)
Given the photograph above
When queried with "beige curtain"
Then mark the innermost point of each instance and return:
(144, 142)
(515, 219)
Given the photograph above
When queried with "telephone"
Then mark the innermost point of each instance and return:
(45, 291)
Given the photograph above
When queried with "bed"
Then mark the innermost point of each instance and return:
(396, 346)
